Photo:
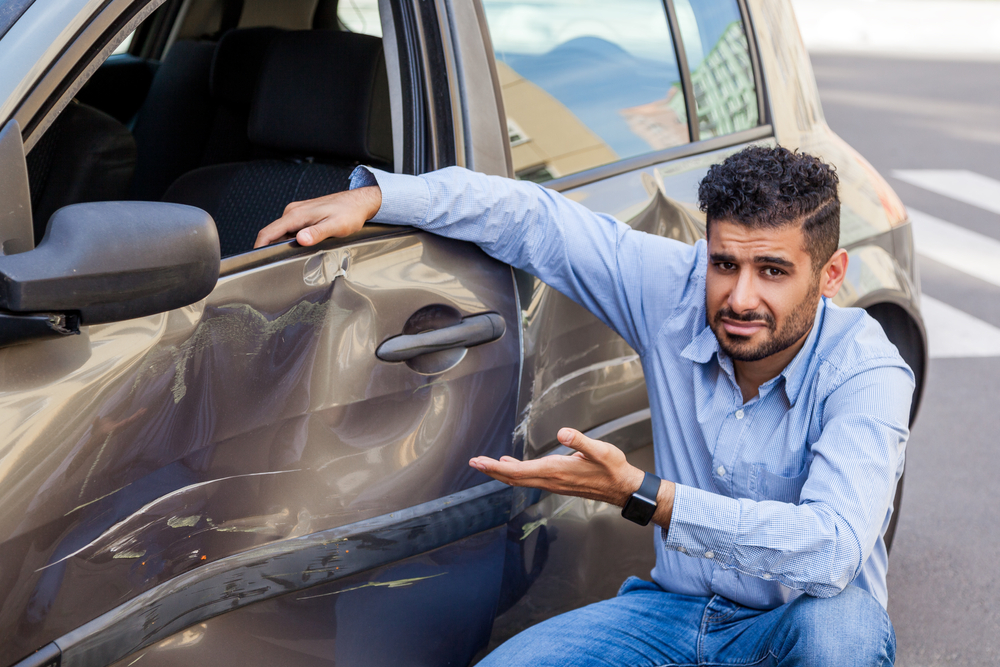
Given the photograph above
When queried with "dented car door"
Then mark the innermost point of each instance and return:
(163, 470)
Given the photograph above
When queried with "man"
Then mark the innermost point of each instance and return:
(779, 419)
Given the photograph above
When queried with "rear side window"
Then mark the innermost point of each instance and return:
(585, 82)
(718, 56)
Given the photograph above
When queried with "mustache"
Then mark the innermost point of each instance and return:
(750, 316)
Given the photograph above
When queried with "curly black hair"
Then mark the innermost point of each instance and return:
(764, 187)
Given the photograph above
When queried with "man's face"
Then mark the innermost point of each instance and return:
(761, 290)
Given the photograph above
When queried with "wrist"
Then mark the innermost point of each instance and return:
(665, 504)
(371, 198)
(631, 481)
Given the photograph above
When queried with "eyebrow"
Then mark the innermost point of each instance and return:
(780, 261)
(760, 259)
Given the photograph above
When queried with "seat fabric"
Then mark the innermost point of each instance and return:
(85, 156)
(173, 124)
(243, 198)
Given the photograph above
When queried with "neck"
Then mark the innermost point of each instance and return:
(751, 374)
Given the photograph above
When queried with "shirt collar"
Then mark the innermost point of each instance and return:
(705, 345)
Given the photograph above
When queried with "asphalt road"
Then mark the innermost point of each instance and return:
(914, 116)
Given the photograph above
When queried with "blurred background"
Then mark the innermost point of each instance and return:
(914, 85)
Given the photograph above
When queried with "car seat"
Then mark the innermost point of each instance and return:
(197, 108)
(322, 105)
(84, 156)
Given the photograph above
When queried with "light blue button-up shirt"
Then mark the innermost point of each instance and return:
(787, 493)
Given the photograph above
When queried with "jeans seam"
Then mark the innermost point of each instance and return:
(888, 636)
(737, 664)
(701, 632)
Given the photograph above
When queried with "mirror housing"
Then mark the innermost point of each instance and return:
(113, 261)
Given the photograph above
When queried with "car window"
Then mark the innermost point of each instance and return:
(585, 82)
(360, 16)
(721, 70)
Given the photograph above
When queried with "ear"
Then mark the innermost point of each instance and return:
(832, 275)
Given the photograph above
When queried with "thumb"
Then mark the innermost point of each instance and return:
(573, 439)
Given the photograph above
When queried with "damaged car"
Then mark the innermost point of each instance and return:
(213, 454)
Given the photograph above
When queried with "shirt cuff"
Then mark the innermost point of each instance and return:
(405, 199)
(702, 524)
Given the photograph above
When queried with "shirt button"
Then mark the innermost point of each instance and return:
(739, 414)
(721, 471)
(709, 554)
(767, 576)
(682, 550)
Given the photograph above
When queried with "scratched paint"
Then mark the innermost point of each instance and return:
(397, 583)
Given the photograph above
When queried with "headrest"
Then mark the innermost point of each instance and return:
(324, 93)
(236, 66)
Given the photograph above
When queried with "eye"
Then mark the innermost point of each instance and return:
(725, 266)
(773, 272)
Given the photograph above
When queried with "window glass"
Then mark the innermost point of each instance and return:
(721, 72)
(360, 16)
(585, 82)
(123, 47)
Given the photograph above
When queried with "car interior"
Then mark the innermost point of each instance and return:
(238, 107)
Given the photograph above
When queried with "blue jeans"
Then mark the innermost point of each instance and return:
(647, 626)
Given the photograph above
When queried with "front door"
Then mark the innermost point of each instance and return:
(158, 475)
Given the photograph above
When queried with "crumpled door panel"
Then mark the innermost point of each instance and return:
(144, 449)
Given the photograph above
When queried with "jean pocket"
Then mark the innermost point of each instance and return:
(770, 486)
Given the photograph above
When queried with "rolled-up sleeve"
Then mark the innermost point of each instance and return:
(820, 544)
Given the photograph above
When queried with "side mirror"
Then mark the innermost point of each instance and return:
(106, 262)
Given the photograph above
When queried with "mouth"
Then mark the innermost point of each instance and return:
(742, 329)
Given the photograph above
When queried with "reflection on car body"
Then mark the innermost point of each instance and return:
(240, 478)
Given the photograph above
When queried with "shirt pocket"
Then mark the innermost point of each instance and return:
(767, 485)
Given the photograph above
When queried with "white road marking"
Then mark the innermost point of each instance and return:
(965, 186)
(952, 333)
(960, 248)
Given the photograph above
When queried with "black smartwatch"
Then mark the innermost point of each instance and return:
(641, 505)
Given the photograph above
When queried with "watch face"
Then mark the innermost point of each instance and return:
(638, 510)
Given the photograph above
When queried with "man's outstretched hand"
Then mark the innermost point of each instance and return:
(596, 470)
(311, 221)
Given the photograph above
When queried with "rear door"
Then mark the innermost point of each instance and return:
(621, 107)
(159, 472)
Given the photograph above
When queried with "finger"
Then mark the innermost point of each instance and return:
(331, 227)
(520, 480)
(588, 447)
(514, 469)
(285, 226)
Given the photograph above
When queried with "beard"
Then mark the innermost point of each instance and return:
(777, 339)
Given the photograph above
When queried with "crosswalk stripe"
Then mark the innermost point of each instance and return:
(952, 333)
(965, 186)
(960, 248)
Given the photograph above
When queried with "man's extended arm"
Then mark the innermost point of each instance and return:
(630, 280)
(594, 259)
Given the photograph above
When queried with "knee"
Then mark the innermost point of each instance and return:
(850, 628)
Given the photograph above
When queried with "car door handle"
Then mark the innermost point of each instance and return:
(474, 330)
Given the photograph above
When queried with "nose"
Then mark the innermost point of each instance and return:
(743, 297)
